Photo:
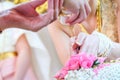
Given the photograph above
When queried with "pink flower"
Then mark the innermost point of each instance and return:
(86, 61)
(61, 74)
(73, 63)
(76, 62)
(101, 59)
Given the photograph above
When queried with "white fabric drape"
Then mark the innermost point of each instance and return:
(44, 57)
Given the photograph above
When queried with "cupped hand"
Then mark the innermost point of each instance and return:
(25, 16)
(80, 9)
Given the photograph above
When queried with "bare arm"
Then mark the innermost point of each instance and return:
(61, 40)
(23, 60)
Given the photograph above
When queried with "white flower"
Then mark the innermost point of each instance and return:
(82, 74)
(111, 72)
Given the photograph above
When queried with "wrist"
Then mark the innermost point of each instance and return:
(4, 21)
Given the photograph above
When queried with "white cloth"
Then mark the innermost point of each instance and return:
(5, 41)
(5, 5)
(9, 37)
(41, 58)
(45, 60)
(55, 64)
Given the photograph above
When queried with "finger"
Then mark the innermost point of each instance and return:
(81, 38)
(79, 19)
(82, 16)
(61, 3)
(36, 3)
(87, 8)
(73, 44)
(73, 17)
(51, 4)
(57, 7)
(83, 11)
(60, 6)
(75, 47)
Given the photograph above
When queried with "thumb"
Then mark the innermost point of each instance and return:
(37, 3)
(72, 18)
(28, 8)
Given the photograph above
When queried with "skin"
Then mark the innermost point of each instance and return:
(87, 43)
(23, 59)
(76, 9)
(64, 33)
(25, 16)
(79, 9)
(61, 37)
(29, 19)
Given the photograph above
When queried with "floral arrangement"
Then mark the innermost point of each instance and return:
(80, 67)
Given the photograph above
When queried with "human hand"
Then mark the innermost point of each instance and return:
(77, 42)
(86, 43)
(25, 16)
(95, 43)
(55, 5)
(80, 9)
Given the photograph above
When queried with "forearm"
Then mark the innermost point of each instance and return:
(61, 42)
(4, 23)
